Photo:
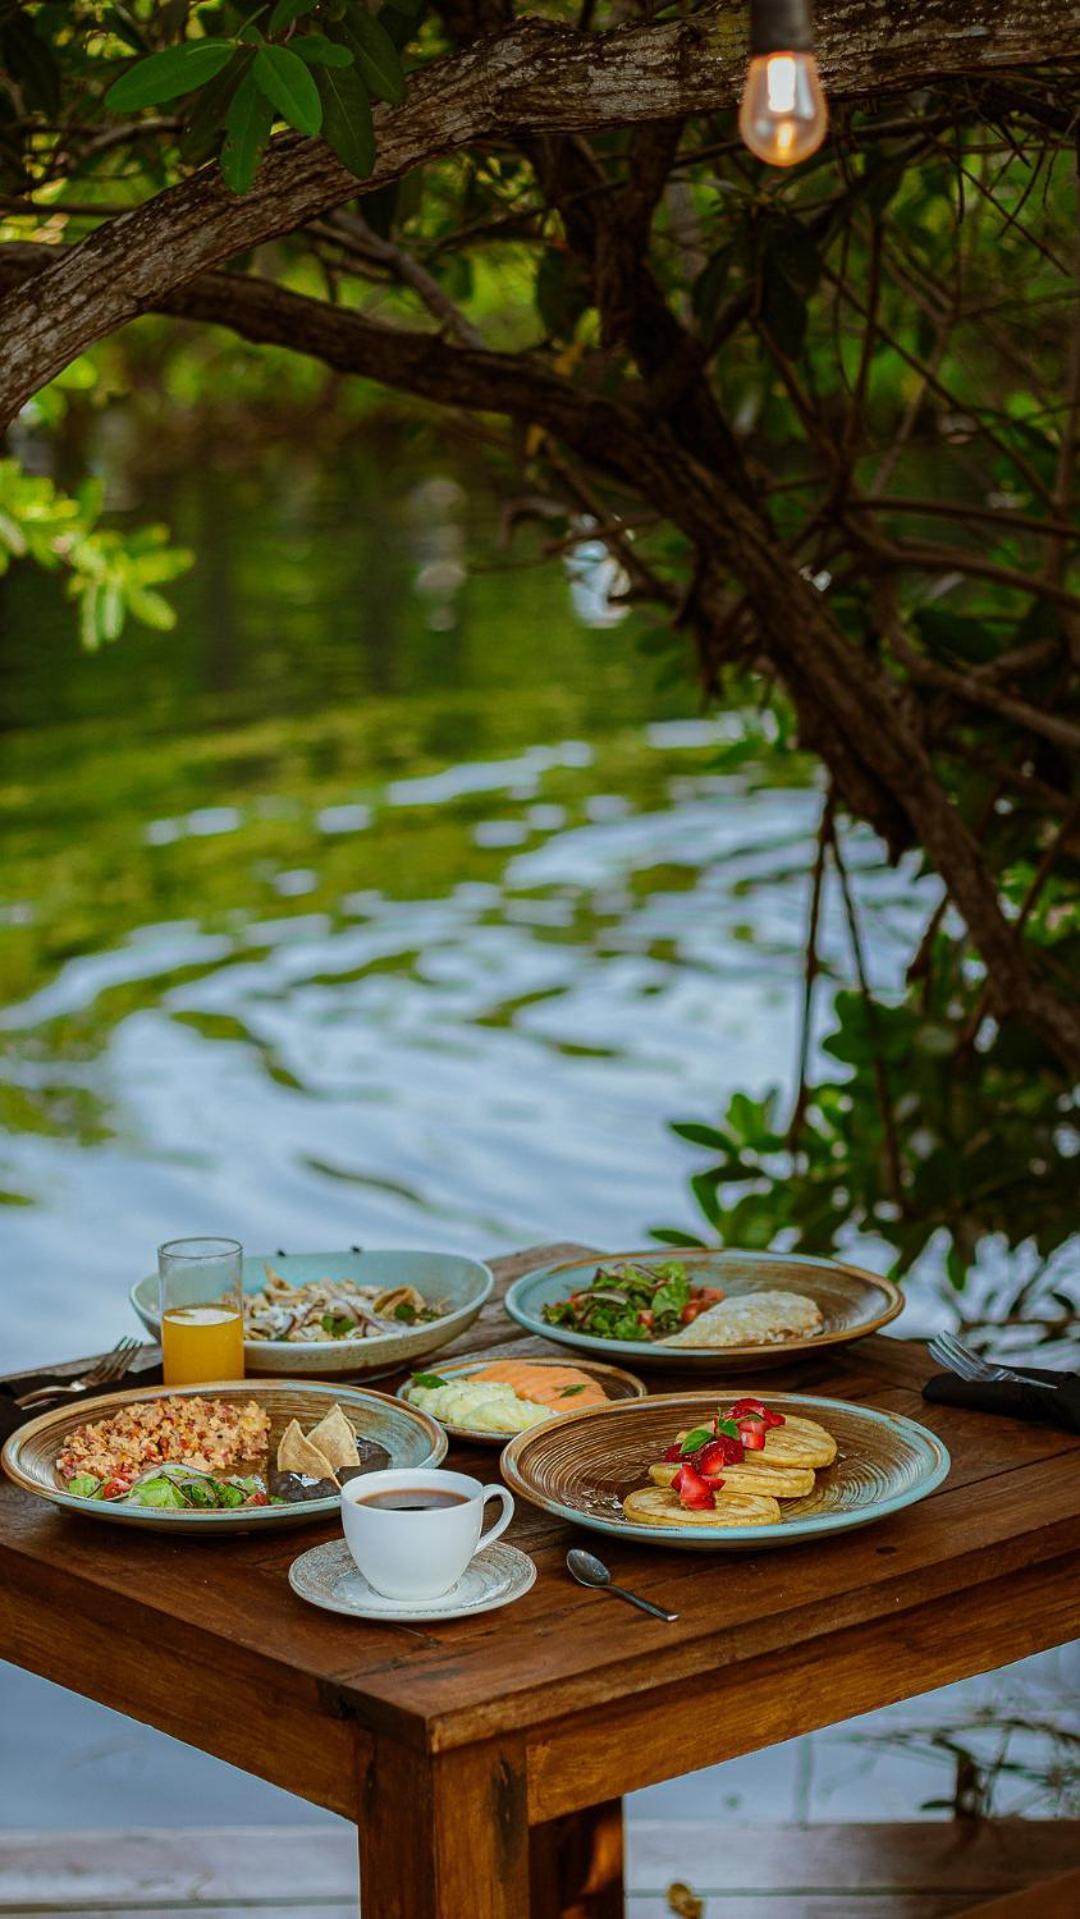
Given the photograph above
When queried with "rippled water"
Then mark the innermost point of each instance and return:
(386, 900)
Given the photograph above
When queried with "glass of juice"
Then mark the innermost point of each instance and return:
(202, 1310)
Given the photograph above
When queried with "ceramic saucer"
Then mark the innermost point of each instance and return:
(328, 1577)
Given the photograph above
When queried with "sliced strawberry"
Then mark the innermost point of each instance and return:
(752, 1434)
(694, 1492)
(718, 1454)
(756, 1409)
(674, 1452)
(713, 1482)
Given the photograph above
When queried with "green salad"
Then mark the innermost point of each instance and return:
(626, 1301)
(176, 1489)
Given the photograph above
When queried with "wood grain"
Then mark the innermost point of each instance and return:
(444, 1837)
(760, 1702)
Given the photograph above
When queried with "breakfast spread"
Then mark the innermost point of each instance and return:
(322, 1309)
(734, 1470)
(507, 1396)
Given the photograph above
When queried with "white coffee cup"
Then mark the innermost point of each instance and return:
(418, 1552)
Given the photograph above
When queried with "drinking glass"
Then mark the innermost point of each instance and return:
(202, 1310)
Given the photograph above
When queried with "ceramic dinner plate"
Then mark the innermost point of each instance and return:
(852, 1304)
(328, 1577)
(411, 1438)
(464, 1284)
(581, 1467)
(616, 1382)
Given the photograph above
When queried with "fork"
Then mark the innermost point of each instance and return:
(109, 1367)
(959, 1359)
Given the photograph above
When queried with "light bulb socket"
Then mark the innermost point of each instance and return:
(780, 26)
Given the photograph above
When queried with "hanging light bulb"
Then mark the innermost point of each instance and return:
(783, 117)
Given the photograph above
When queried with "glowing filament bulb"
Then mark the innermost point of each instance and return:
(783, 116)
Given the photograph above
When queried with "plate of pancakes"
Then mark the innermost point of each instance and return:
(810, 1467)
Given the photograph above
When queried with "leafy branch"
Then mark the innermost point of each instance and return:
(315, 65)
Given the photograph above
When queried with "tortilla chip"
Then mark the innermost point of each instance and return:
(296, 1454)
(335, 1436)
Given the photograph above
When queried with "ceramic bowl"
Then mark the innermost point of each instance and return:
(463, 1283)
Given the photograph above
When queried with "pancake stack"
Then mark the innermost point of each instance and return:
(751, 1489)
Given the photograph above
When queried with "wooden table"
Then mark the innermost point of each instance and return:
(484, 1761)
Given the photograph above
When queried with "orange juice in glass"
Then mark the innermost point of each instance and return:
(202, 1312)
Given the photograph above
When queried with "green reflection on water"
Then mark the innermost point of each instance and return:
(349, 629)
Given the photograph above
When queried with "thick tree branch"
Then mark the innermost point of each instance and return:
(536, 76)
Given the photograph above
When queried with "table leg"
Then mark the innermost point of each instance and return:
(576, 1865)
(444, 1836)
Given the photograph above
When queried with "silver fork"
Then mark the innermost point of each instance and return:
(109, 1367)
(959, 1359)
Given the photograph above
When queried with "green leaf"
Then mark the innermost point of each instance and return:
(248, 124)
(700, 1436)
(794, 253)
(206, 115)
(427, 1379)
(289, 87)
(783, 312)
(704, 1190)
(376, 55)
(168, 75)
(402, 19)
(708, 289)
(561, 293)
(568, 1392)
(33, 64)
(318, 51)
(111, 612)
(347, 126)
(287, 11)
(699, 1135)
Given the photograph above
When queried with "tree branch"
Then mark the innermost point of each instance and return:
(537, 76)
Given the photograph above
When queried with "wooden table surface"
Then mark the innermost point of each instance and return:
(484, 1760)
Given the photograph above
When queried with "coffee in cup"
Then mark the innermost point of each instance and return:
(413, 1530)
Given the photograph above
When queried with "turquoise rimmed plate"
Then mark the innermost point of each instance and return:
(581, 1467)
(852, 1303)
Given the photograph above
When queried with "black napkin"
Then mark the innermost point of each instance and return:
(1016, 1400)
(12, 1416)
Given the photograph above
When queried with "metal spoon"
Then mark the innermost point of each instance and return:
(590, 1571)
